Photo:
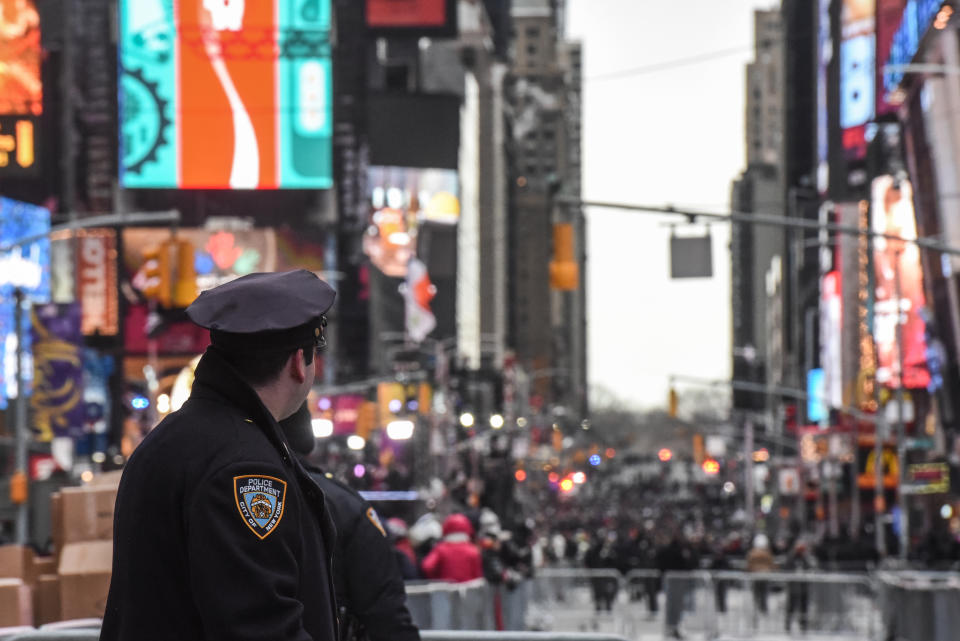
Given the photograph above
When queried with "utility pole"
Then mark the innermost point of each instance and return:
(901, 423)
(21, 418)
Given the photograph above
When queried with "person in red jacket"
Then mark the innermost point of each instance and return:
(455, 558)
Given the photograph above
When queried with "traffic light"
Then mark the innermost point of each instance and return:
(672, 403)
(185, 285)
(156, 268)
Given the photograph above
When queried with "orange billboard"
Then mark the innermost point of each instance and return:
(21, 89)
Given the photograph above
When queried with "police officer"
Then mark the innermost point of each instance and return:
(219, 532)
(367, 579)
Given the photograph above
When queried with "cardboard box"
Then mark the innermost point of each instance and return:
(16, 562)
(16, 604)
(106, 479)
(46, 599)
(45, 565)
(87, 513)
(85, 579)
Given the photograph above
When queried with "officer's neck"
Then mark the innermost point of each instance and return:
(278, 399)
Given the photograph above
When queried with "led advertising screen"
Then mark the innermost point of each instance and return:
(425, 17)
(402, 199)
(898, 271)
(27, 268)
(857, 77)
(21, 89)
(225, 95)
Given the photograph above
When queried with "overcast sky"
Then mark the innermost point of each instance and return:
(668, 133)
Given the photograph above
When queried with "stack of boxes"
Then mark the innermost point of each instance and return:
(73, 583)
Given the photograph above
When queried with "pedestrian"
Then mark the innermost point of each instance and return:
(367, 579)
(798, 589)
(760, 560)
(455, 558)
(216, 522)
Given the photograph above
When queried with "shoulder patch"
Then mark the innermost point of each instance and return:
(260, 500)
(375, 519)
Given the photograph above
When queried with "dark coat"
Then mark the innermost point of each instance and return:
(368, 582)
(197, 553)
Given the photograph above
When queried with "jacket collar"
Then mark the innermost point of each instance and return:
(215, 377)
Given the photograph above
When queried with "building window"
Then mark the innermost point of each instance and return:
(533, 32)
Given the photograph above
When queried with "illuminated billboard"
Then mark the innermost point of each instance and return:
(225, 95)
(424, 17)
(402, 199)
(898, 271)
(25, 268)
(21, 89)
(857, 76)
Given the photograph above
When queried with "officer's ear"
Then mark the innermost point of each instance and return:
(298, 365)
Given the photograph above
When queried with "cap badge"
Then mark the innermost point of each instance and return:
(260, 500)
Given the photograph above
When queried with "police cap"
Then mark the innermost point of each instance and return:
(265, 311)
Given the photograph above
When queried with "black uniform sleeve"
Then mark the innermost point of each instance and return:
(374, 585)
(244, 576)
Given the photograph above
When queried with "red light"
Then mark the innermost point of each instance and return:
(566, 485)
(711, 467)
(520, 475)
(665, 455)
(554, 477)
(610, 452)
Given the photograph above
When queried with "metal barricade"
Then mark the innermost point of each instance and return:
(920, 605)
(577, 600)
(771, 603)
(451, 606)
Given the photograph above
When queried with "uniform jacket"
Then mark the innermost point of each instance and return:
(453, 560)
(219, 533)
(368, 582)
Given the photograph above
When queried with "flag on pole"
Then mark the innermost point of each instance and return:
(418, 291)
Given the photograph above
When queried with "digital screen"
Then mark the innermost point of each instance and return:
(21, 89)
(27, 268)
(402, 199)
(899, 291)
(225, 95)
(409, 14)
(857, 73)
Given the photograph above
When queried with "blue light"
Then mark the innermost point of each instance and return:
(594, 460)
(139, 403)
(413, 405)
(395, 405)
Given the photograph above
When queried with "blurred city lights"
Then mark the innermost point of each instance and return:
(610, 452)
(585, 424)
(766, 503)
(553, 477)
(322, 427)
(324, 403)
(711, 467)
(466, 419)
(946, 511)
(86, 476)
(98, 457)
(579, 478)
(395, 405)
(356, 442)
(139, 403)
(413, 405)
(496, 421)
(359, 470)
(163, 403)
(594, 459)
(521, 422)
(761, 455)
(566, 485)
(729, 487)
(400, 430)
(665, 455)
(520, 475)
